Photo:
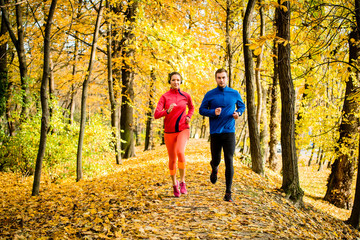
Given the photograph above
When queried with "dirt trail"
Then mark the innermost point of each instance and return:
(137, 203)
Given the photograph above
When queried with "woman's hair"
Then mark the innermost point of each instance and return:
(172, 74)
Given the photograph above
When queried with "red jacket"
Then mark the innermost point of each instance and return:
(175, 120)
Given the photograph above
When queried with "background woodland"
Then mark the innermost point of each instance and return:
(79, 81)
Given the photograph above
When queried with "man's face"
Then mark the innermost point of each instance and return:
(221, 79)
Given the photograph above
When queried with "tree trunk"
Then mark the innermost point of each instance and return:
(354, 219)
(51, 88)
(74, 89)
(20, 49)
(4, 82)
(242, 132)
(79, 174)
(137, 132)
(342, 170)
(127, 77)
(256, 158)
(258, 67)
(262, 96)
(273, 159)
(228, 43)
(44, 100)
(321, 163)
(73, 85)
(311, 155)
(203, 127)
(150, 114)
(290, 183)
(112, 96)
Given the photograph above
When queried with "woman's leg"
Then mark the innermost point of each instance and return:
(170, 142)
(181, 141)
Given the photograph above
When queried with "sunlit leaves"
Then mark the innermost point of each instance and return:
(136, 202)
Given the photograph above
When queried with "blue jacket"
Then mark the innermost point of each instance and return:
(226, 98)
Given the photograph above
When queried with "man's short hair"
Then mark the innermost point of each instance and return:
(220, 70)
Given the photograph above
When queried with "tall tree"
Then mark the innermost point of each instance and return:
(258, 165)
(342, 170)
(230, 9)
(127, 79)
(261, 113)
(79, 174)
(259, 60)
(44, 99)
(18, 41)
(112, 96)
(229, 51)
(290, 182)
(273, 125)
(73, 88)
(354, 219)
(150, 112)
(4, 82)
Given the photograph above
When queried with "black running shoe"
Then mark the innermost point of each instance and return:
(228, 198)
(213, 176)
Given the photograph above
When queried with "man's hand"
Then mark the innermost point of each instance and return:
(187, 120)
(217, 111)
(235, 115)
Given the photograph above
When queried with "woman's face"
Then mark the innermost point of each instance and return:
(175, 81)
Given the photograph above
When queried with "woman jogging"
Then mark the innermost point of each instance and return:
(172, 105)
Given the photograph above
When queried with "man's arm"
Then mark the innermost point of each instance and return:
(240, 106)
(204, 108)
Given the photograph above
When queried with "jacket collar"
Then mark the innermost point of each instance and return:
(222, 89)
(174, 90)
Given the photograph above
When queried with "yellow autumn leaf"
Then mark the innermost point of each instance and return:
(257, 51)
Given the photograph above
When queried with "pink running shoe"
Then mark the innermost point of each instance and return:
(183, 188)
(176, 190)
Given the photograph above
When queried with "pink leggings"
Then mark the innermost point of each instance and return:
(175, 144)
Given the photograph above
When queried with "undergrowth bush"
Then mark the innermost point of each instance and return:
(18, 153)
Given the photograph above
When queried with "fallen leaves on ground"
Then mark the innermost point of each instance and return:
(137, 202)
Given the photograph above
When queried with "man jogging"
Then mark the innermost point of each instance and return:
(223, 105)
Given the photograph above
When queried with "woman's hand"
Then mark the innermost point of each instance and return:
(171, 108)
(187, 119)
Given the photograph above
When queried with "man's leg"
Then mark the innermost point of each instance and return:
(182, 139)
(215, 146)
(229, 149)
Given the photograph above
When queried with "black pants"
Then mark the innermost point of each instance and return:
(225, 141)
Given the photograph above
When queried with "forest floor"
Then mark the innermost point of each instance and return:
(136, 202)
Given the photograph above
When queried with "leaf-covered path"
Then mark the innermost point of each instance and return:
(137, 202)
